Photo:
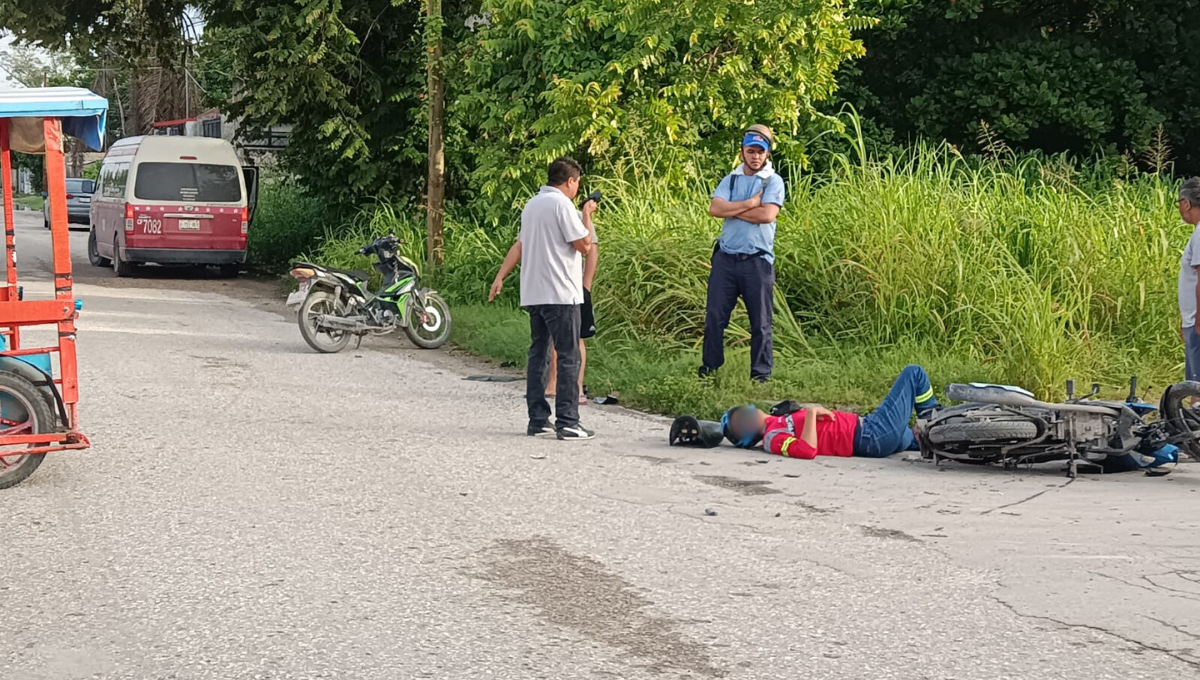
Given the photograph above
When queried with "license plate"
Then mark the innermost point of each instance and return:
(85, 199)
(189, 225)
(296, 298)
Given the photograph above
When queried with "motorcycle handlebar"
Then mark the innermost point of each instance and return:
(389, 240)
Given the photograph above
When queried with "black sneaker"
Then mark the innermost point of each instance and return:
(575, 433)
(539, 431)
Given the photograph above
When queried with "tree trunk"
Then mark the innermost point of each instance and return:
(436, 186)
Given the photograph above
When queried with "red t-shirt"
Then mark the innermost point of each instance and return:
(834, 437)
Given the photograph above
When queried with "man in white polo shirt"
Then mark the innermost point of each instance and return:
(550, 248)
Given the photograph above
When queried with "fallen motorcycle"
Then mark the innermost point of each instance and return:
(1006, 425)
(335, 305)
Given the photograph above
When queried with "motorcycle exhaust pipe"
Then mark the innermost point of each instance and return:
(338, 323)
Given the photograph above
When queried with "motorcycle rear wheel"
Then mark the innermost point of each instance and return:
(1183, 419)
(317, 303)
(982, 431)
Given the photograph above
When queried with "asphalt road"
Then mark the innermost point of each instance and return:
(251, 509)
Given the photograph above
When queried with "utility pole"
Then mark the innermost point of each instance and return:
(436, 185)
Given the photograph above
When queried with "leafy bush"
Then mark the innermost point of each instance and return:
(287, 221)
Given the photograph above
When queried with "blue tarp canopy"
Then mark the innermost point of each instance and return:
(82, 111)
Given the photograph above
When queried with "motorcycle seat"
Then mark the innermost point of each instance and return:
(356, 274)
(990, 394)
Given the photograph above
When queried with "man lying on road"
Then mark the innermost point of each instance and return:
(816, 431)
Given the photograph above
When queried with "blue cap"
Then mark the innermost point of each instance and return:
(755, 139)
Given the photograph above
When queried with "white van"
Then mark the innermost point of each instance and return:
(171, 200)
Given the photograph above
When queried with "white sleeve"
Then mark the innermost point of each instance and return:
(569, 223)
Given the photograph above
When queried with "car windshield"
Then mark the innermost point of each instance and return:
(80, 186)
(200, 182)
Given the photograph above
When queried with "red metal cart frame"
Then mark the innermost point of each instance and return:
(17, 313)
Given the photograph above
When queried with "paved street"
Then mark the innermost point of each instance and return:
(251, 509)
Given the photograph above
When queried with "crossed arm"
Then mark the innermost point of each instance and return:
(752, 209)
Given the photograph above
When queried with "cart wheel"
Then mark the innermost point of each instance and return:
(23, 410)
(94, 256)
(120, 267)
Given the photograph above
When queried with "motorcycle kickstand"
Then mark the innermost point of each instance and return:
(358, 341)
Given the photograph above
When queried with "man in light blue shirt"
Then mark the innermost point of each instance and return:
(743, 261)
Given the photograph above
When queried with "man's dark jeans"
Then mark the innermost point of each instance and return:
(752, 278)
(556, 325)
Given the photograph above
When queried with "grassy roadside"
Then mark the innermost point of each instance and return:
(662, 379)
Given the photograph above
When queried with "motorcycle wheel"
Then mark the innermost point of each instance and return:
(1183, 419)
(434, 330)
(317, 303)
(981, 431)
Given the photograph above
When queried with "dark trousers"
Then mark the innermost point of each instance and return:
(752, 278)
(556, 325)
(1191, 346)
(886, 430)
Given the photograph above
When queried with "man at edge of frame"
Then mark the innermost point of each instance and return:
(743, 260)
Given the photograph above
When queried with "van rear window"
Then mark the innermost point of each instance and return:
(202, 182)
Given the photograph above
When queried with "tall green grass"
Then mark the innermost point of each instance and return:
(1034, 270)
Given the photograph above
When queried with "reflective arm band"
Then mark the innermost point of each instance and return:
(925, 396)
(785, 450)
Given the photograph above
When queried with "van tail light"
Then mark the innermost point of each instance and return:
(245, 221)
(128, 218)
(70, 196)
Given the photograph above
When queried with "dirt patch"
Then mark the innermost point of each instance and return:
(881, 532)
(654, 460)
(746, 487)
(814, 509)
(579, 593)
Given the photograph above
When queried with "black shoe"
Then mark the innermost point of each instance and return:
(760, 379)
(539, 431)
(706, 372)
(575, 433)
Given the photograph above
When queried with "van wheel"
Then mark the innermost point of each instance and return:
(94, 256)
(120, 267)
(46, 221)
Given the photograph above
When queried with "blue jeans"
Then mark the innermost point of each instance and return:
(886, 430)
(554, 326)
(1191, 344)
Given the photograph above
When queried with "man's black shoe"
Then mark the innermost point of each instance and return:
(575, 433)
(539, 431)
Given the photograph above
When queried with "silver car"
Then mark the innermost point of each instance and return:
(79, 202)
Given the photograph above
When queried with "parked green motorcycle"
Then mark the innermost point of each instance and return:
(335, 305)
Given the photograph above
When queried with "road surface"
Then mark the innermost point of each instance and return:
(251, 509)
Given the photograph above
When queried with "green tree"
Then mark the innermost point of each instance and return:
(134, 29)
(348, 75)
(602, 79)
(1077, 75)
